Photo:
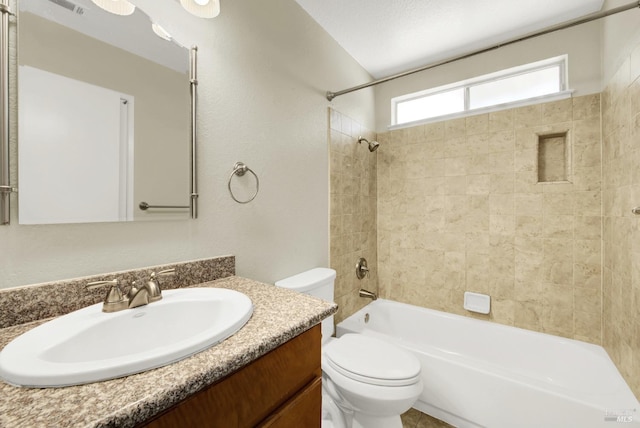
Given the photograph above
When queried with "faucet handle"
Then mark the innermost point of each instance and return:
(153, 285)
(165, 272)
(362, 269)
(114, 300)
(96, 284)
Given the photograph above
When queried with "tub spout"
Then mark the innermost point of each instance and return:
(366, 293)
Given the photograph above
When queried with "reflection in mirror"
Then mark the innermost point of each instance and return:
(104, 116)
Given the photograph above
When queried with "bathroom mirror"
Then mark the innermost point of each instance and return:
(104, 116)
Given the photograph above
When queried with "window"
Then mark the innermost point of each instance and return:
(504, 89)
(432, 105)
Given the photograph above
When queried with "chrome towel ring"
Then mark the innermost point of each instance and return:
(241, 169)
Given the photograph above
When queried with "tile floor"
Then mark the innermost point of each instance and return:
(416, 419)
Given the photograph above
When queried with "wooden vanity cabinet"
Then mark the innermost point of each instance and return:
(281, 389)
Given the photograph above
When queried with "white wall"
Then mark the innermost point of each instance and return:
(620, 33)
(263, 70)
(582, 43)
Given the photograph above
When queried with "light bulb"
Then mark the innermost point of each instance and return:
(160, 32)
(202, 8)
(118, 7)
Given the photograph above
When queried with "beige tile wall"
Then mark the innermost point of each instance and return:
(352, 211)
(460, 209)
(621, 192)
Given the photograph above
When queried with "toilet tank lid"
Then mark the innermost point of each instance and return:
(308, 280)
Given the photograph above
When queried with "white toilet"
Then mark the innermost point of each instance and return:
(366, 382)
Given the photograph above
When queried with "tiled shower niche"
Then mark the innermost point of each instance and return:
(553, 158)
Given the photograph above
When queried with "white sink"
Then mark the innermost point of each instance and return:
(89, 345)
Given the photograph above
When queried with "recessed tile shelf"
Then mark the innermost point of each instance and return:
(553, 158)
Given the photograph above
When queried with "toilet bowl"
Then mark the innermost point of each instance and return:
(371, 381)
(332, 415)
(366, 382)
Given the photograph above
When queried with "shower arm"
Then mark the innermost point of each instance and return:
(373, 145)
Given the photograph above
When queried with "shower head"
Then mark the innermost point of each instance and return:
(373, 145)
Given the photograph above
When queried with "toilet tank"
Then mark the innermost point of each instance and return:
(318, 282)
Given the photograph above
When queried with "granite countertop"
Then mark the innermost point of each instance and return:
(278, 315)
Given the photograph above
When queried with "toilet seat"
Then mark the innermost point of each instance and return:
(372, 361)
(369, 382)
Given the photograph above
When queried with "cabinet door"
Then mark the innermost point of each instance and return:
(250, 395)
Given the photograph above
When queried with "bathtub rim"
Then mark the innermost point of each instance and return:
(620, 387)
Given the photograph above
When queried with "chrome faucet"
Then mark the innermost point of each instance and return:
(148, 293)
(366, 293)
(116, 300)
(137, 296)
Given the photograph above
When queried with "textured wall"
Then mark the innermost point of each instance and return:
(352, 211)
(621, 192)
(460, 209)
(262, 85)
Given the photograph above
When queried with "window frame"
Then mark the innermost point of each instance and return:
(560, 62)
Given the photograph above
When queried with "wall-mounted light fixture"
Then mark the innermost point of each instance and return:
(202, 8)
(160, 32)
(199, 8)
(119, 7)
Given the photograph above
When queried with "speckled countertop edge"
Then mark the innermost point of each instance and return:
(278, 316)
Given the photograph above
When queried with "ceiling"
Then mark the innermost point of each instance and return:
(391, 36)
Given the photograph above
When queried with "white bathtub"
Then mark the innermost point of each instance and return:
(482, 374)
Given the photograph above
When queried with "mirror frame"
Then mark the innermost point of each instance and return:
(5, 186)
(193, 82)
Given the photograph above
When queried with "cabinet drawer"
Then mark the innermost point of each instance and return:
(249, 395)
(303, 410)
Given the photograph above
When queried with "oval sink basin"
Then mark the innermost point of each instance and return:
(89, 345)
